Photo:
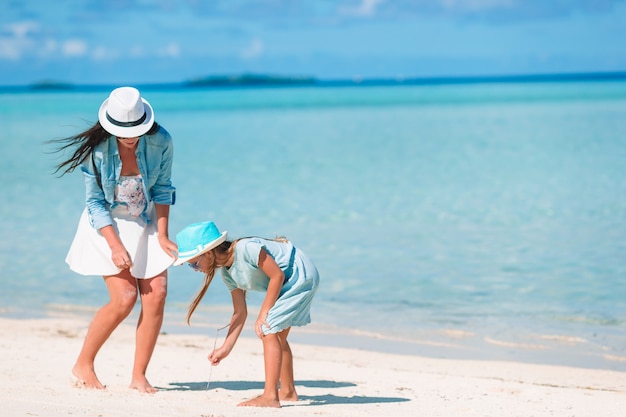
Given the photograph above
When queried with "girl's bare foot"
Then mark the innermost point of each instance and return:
(141, 384)
(260, 401)
(287, 395)
(85, 377)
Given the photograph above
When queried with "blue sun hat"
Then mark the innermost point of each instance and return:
(196, 239)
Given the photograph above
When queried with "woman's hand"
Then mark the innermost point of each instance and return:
(120, 257)
(168, 246)
(119, 254)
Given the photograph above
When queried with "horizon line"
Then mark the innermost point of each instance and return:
(257, 80)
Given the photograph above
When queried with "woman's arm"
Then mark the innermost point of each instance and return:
(163, 216)
(99, 215)
(240, 312)
(162, 191)
(119, 254)
(277, 277)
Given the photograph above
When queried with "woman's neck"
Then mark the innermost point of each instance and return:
(129, 160)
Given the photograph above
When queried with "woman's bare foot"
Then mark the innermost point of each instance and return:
(86, 378)
(260, 401)
(287, 395)
(142, 385)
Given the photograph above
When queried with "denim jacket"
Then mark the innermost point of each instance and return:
(154, 159)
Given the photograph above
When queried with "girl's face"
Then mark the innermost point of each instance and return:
(129, 143)
(199, 263)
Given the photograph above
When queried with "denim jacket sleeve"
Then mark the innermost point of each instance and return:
(97, 208)
(159, 156)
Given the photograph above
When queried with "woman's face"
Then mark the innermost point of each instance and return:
(129, 143)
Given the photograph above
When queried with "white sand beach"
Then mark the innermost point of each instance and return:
(38, 354)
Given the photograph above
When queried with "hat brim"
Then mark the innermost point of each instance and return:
(208, 247)
(130, 131)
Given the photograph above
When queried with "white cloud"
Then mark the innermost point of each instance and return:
(100, 53)
(171, 50)
(136, 51)
(366, 8)
(477, 5)
(48, 47)
(74, 47)
(17, 43)
(255, 49)
(9, 49)
(21, 29)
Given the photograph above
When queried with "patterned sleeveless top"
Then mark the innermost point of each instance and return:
(129, 191)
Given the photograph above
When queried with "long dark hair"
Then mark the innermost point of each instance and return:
(84, 144)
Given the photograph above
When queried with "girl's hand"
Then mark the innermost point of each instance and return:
(217, 355)
(168, 246)
(261, 321)
(120, 257)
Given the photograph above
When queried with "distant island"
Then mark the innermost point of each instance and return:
(51, 85)
(259, 80)
(264, 80)
(248, 80)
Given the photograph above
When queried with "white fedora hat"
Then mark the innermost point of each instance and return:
(125, 113)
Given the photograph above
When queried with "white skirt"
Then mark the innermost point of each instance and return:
(90, 254)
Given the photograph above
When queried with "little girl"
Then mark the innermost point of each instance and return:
(276, 267)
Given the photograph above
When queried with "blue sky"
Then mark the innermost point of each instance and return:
(149, 41)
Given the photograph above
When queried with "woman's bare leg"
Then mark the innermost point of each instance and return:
(272, 354)
(287, 390)
(153, 292)
(123, 295)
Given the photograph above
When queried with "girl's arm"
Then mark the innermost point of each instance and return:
(240, 312)
(277, 277)
(163, 215)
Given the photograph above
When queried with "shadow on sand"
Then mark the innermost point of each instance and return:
(247, 385)
(312, 399)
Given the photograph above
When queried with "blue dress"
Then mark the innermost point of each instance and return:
(293, 306)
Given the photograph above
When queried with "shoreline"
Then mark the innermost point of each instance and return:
(550, 350)
(442, 343)
(38, 355)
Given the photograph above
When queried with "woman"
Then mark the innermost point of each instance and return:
(274, 266)
(122, 235)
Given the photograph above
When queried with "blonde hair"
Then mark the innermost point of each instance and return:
(226, 248)
(224, 251)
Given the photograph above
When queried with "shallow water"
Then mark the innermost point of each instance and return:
(481, 216)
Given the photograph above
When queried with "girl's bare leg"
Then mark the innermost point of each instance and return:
(123, 295)
(272, 354)
(153, 292)
(287, 390)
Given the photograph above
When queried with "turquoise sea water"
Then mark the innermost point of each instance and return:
(473, 220)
